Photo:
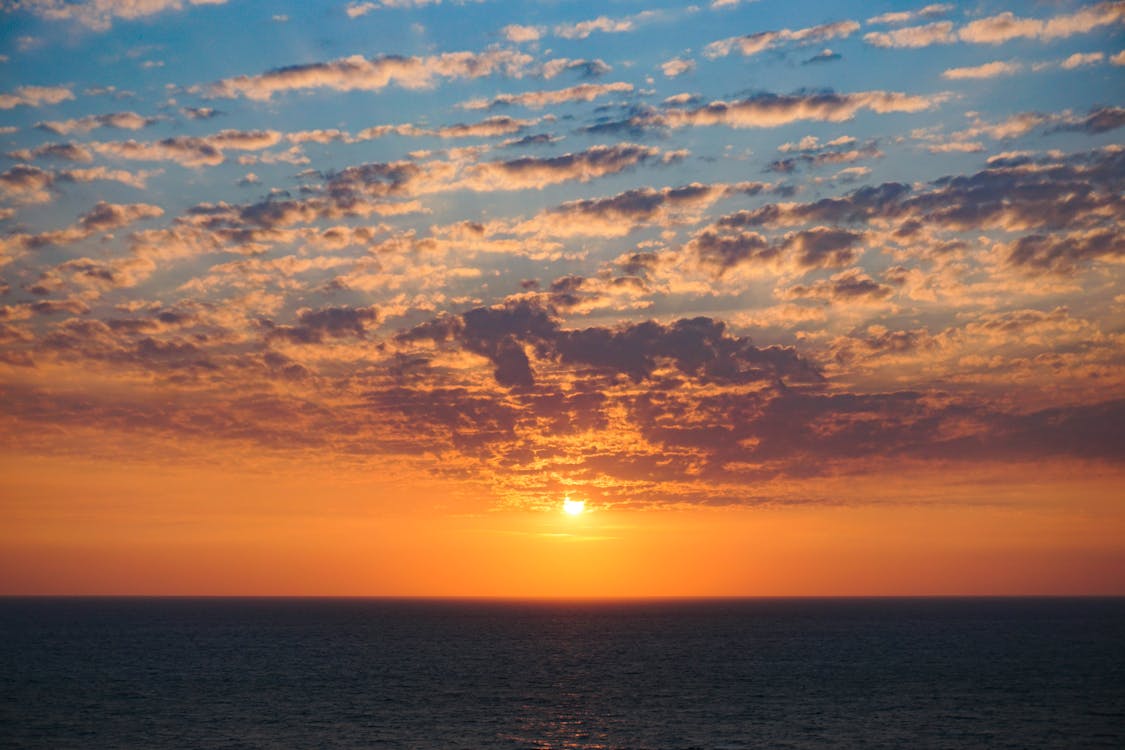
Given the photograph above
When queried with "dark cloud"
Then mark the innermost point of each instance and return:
(200, 113)
(539, 139)
(314, 326)
(722, 252)
(768, 110)
(1100, 120)
(824, 56)
(104, 217)
(700, 348)
(828, 156)
(51, 307)
(1067, 253)
(119, 120)
(64, 151)
(847, 286)
(822, 247)
(1079, 195)
(721, 249)
(25, 180)
(190, 151)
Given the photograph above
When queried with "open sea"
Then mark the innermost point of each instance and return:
(379, 673)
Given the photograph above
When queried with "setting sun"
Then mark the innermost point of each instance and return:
(573, 507)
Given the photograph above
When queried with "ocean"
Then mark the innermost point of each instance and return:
(419, 674)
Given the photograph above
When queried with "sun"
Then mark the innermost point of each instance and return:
(573, 507)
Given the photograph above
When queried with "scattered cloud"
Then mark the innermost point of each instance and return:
(358, 73)
(773, 110)
(118, 120)
(901, 17)
(987, 70)
(99, 15)
(677, 67)
(1006, 26)
(583, 29)
(35, 96)
(190, 151)
(753, 44)
(583, 92)
(519, 34)
(1081, 60)
(940, 32)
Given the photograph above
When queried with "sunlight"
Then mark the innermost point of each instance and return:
(573, 507)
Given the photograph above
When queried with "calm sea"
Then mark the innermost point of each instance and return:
(370, 673)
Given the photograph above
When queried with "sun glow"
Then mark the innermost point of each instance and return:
(573, 507)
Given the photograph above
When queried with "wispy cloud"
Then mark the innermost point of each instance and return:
(35, 96)
(357, 73)
(99, 15)
(753, 44)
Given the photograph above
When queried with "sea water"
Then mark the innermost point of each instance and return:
(377, 673)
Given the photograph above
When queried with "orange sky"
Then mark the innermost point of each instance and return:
(212, 531)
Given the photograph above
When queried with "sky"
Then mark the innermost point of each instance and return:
(347, 298)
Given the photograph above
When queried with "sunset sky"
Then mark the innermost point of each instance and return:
(329, 298)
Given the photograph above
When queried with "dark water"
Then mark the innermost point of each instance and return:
(900, 673)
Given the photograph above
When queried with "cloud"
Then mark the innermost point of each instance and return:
(1003, 27)
(314, 326)
(900, 17)
(358, 73)
(812, 143)
(753, 44)
(822, 247)
(1006, 26)
(100, 14)
(1100, 120)
(358, 9)
(940, 32)
(1081, 60)
(585, 68)
(26, 183)
(956, 147)
(698, 347)
(987, 70)
(63, 151)
(103, 217)
(519, 34)
(851, 286)
(1067, 208)
(773, 110)
(824, 56)
(583, 92)
(190, 151)
(677, 67)
(1065, 254)
(386, 188)
(106, 216)
(487, 128)
(119, 120)
(583, 29)
(815, 157)
(200, 113)
(536, 173)
(720, 252)
(618, 215)
(35, 96)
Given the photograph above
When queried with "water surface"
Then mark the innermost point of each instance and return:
(373, 673)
